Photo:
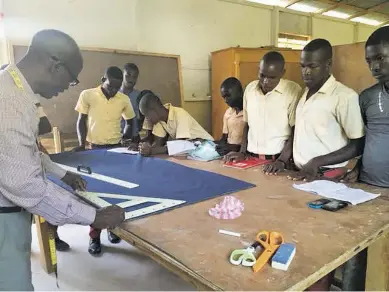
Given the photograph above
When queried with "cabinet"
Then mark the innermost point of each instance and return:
(242, 63)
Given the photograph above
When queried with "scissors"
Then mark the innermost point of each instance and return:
(270, 242)
(244, 256)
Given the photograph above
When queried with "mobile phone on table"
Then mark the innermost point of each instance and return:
(334, 205)
(318, 204)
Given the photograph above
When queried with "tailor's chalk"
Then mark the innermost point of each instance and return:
(226, 232)
(283, 256)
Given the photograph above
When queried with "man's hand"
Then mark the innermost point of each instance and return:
(145, 149)
(79, 148)
(351, 176)
(108, 217)
(133, 146)
(235, 157)
(308, 172)
(75, 181)
(274, 168)
(222, 149)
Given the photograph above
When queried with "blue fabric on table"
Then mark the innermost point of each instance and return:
(157, 178)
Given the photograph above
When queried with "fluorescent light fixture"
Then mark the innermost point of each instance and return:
(281, 3)
(304, 7)
(367, 21)
(337, 14)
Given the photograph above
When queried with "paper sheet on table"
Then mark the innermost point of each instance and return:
(123, 150)
(180, 147)
(336, 191)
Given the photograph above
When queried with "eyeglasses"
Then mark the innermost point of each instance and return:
(75, 80)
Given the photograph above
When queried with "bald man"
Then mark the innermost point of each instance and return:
(269, 105)
(52, 64)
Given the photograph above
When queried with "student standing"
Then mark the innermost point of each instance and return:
(130, 78)
(373, 167)
(233, 124)
(329, 127)
(100, 111)
(269, 111)
(52, 64)
(167, 121)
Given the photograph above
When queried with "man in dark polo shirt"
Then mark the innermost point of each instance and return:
(373, 167)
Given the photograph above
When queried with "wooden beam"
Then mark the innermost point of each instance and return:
(333, 4)
(291, 2)
(42, 228)
(360, 13)
(321, 11)
(378, 7)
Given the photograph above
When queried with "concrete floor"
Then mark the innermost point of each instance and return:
(120, 267)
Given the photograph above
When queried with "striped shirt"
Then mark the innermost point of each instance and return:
(22, 179)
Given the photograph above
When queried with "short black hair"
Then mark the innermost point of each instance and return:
(232, 82)
(143, 93)
(379, 37)
(150, 100)
(320, 44)
(131, 66)
(114, 72)
(274, 58)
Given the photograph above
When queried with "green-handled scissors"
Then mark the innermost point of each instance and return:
(245, 256)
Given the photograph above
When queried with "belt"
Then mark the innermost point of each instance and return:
(265, 157)
(15, 209)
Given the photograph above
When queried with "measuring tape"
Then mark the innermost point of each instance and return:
(53, 251)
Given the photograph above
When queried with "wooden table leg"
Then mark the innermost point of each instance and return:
(42, 229)
(377, 276)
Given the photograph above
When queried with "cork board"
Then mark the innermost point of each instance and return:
(159, 73)
(350, 68)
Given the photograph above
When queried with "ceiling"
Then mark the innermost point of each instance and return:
(373, 12)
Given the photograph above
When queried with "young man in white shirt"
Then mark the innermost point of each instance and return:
(268, 110)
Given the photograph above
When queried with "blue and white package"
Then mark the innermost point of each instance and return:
(283, 256)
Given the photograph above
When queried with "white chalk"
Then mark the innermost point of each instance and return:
(226, 232)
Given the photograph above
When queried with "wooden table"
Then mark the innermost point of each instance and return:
(186, 240)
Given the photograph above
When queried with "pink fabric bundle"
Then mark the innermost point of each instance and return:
(229, 208)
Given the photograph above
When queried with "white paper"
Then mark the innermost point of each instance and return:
(180, 147)
(336, 191)
(123, 150)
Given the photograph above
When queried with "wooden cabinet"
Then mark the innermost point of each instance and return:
(242, 63)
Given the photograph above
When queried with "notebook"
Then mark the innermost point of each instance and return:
(248, 163)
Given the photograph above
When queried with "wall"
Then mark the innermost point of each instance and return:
(338, 33)
(190, 28)
(176, 27)
(364, 31)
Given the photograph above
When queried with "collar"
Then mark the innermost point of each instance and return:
(100, 90)
(280, 88)
(329, 86)
(171, 111)
(233, 111)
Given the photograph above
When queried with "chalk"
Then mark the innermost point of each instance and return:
(226, 232)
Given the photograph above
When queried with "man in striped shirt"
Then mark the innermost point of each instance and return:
(51, 65)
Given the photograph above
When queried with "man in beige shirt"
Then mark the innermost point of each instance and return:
(167, 121)
(329, 127)
(268, 110)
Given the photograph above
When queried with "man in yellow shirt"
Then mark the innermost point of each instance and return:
(167, 121)
(100, 111)
(268, 111)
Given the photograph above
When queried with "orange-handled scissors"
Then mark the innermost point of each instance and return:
(270, 242)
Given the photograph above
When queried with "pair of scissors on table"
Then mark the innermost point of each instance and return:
(245, 256)
(270, 241)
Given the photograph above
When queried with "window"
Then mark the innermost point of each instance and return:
(292, 41)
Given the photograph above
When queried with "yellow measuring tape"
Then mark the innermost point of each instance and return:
(53, 251)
